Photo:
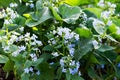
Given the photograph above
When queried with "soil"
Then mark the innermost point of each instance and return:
(3, 74)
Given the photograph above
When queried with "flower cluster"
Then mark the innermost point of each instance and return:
(28, 70)
(12, 5)
(70, 65)
(30, 4)
(68, 39)
(8, 14)
(108, 12)
(31, 42)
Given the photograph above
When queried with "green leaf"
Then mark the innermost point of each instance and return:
(76, 2)
(96, 11)
(76, 77)
(39, 17)
(105, 48)
(84, 46)
(68, 13)
(84, 32)
(13, 48)
(68, 76)
(118, 59)
(112, 29)
(9, 66)
(20, 21)
(89, 13)
(28, 63)
(10, 27)
(59, 73)
(92, 74)
(116, 21)
(40, 60)
(5, 3)
(25, 76)
(46, 56)
(93, 59)
(2, 32)
(48, 48)
(56, 15)
(39, 4)
(3, 59)
(47, 72)
(118, 72)
(111, 38)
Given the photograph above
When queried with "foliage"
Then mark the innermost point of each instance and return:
(60, 39)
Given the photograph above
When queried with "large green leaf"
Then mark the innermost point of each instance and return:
(11, 27)
(39, 4)
(68, 13)
(104, 48)
(116, 21)
(5, 3)
(92, 74)
(9, 66)
(76, 77)
(3, 59)
(39, 17)
(56, 15)
(96, 11)
(46, 72)
(84, 32)
(25, 76)
(85, 45)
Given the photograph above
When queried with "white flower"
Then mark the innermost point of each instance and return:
(13, 5)
(54, 32)
(95, 44)
(109, 23)
(38, 72)
(31, 69)
(34, 37)
(31, 5)
(64, 70)
(26, 70)
(53, 42)
(79, 73)
(21, 48)
(101, 3)
(21, 29)
(20, 38)
(15, 53)
(105, 15)
(34, 57)
(113, 6)
(27, 4)
(27, 35)
(6, 22)
(77, 37)
(62, 62)
(39, 42)
(55, 54)
(71, 51)
(118, 31)
(6, 48)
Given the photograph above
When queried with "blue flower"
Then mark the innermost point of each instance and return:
(64, 70)
(118, 65)
(102, 66)
(62, 62)
(73, 70)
